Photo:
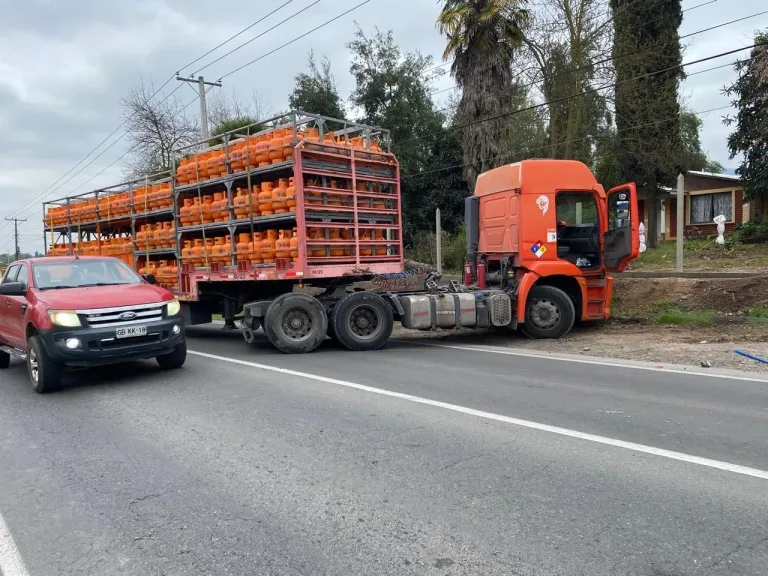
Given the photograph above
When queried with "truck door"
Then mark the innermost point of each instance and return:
(5, 305)
(15, 312)
(621, 241)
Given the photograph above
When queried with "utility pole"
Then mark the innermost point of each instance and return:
(201, 84)
(16, 233)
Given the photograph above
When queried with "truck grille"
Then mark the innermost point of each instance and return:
(123, 316)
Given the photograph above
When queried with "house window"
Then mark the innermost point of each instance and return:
(704, 207)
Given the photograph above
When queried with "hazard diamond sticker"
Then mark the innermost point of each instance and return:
(538, 249)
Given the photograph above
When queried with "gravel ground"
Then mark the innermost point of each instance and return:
(644, 342)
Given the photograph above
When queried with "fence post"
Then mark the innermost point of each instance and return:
(680, 222)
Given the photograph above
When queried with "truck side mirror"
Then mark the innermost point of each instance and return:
(622, 206)
(150, 278)
(13, 289)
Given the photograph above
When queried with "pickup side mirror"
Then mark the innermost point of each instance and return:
(150, 278)
(13, 289)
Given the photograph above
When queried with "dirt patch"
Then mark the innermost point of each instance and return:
(637, 296)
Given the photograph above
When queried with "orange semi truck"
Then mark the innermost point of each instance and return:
(281, 226)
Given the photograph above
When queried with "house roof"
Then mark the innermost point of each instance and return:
(729, 177)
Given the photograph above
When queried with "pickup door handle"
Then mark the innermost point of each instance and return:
(24, 309)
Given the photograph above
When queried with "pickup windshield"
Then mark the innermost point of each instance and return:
(83, 273)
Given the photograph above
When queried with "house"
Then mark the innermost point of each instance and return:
(706, 195)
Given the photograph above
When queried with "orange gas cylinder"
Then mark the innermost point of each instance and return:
(276, 146)
(254, 248)
(185, 212)
(198, 250)
(265, 199)
(378, 203)
(290, 195)
(181, 172)
(202, 166)
(334, 199)
(316, 250)
(311, 196)
(312, 135)
(366, 235)
(187, 253)
(140, 204)
(240, 202)
(268, 247)
(208, 250)
(237, 156)
(141, 237)
(219, 207)
(166, 195)
(382, 249)
(157, 236)
(283, 245)
(335, 234)
(251, 153)
(288, 143)
(192, 168)
(168, 235)
(262, 150)
(207, 204)
(215, 162)
(196, 212)
(279, 197)
(329, 138)
(243, 246)
(294, 244)
(217, 251)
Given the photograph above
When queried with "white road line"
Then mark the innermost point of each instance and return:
(11, 563)
(725, 466)
(614, 363)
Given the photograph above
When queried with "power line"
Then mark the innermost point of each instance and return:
(590, 91)
(256, 37)
(608, 21)
(571, 141)
(316, 28)
(228, 40)
(620, 56)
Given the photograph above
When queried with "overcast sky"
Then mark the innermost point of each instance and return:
(64, 65)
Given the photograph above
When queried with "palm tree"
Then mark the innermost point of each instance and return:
(482, 38)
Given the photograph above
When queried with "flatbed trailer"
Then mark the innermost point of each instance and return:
(295, 225)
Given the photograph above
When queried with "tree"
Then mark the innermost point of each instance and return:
(694, 158)
(648, 147)
(155, 128)
(315, 92)
(750, 135)
(392, 90)
(483, 36)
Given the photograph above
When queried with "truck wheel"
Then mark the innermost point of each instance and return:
(44, 374)
(362, 321)
(296, 323)
(175, 359)
(549, 313)
(5, 360)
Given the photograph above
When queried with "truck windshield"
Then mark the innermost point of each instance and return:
(83, 273)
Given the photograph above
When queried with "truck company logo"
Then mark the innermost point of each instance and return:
(127, 316)
(543, 203)
(538, 249)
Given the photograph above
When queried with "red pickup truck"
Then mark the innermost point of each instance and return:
(82, 312)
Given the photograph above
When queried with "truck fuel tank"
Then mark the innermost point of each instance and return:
(429, 311)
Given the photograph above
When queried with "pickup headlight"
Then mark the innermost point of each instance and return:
(173, 307)
(65, 318)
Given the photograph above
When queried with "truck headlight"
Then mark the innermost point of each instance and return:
(174, 306)
(65, 318)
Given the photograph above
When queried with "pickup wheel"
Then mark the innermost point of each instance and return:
(362, 321)
(44, 374)
(549, 313)
(175, 359)
(296, 323)
(5, 360)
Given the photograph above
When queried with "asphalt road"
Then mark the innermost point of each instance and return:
(227, 467)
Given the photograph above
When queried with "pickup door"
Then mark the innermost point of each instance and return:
(13, 310)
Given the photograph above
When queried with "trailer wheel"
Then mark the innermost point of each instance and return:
(362, 321)
(549, 313)
(296, 323)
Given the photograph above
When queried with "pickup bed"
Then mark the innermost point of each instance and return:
(80, 312)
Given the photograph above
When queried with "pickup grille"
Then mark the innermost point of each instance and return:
(123, 316)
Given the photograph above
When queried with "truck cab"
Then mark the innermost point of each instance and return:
(547, 232)
(80, 312)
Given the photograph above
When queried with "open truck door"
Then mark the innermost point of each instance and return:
(622, 238)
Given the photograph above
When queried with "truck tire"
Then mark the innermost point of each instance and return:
(549, 313)
(362, 321)
(174, 360)
(296, 323)
(44, 374)
(5, 360)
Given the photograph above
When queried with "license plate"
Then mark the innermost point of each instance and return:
(131, 332)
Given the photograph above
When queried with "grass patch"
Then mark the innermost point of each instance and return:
(669, 313)
(757, 312)
(703, 254)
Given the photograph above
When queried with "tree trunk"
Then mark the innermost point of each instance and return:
(652, 234)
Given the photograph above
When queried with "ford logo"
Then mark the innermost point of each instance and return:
(127, 316)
